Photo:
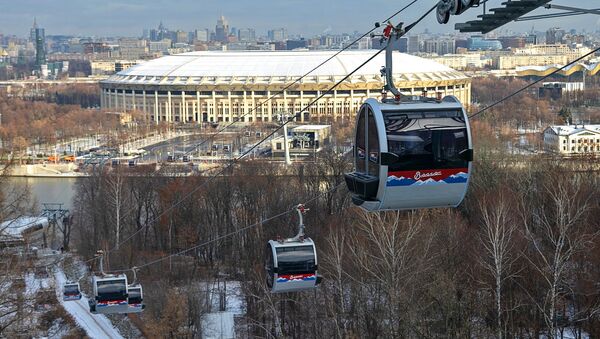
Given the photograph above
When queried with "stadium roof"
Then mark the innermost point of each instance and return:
(540, 71)
(258, 67)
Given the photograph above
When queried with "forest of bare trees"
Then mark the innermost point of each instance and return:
(519, 258)
(84, 95)
(527, 109)
(28, 123)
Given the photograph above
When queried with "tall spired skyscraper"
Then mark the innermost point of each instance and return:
(38, 35)
(32, 31)
(222, 29)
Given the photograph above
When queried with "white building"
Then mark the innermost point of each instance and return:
(304, 141)
(227, 86)
(463, 61)
(573, 139)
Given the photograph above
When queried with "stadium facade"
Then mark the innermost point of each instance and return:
(228, 86)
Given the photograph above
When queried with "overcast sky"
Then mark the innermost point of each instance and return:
(307, 17)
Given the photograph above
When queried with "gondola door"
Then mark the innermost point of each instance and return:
(372, 140)
(364, 181)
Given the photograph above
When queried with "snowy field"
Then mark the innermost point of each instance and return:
(221, 324)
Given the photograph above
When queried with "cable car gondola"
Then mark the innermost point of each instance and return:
(135, 299)
(135, 295)
(409, 152)
(291, 264)
(110, 294)
(71, 291)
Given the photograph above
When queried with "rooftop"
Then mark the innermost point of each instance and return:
(256, 67)
(591, 69)
(14, 228)
(311, 127)
(566, 130)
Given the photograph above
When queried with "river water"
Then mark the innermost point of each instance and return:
(48, 190)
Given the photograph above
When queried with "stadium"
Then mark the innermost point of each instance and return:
(228, 86)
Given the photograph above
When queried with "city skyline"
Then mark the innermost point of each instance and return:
(115, 17)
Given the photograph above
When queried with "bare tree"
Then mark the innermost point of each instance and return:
(333, 263)
(556, 234)
(497, 237)
(115, 184)
(391, 251)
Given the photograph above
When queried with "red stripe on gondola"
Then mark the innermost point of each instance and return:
(112, 302)
(296, 276)
(435, 174)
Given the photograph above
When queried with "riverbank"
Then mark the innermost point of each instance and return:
(46, 171)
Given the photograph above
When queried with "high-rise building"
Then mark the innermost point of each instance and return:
(32, 31)
(555, 35)
(414, 44)
(40, 45)
(439, 46)
(182, 37)
(512, 42)
(364, 43)
(531, 39)
(222, 29)
(402, 45)
(159, 46)
(478, 43)
(279, 34)
(202, 35)
(132, 49)
(293, 44)
(247, 34)
(159, 34)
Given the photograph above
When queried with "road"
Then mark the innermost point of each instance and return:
(191, 145)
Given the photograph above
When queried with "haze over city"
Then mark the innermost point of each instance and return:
(128, 18)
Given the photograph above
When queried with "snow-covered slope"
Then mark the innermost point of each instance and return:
(95, 325)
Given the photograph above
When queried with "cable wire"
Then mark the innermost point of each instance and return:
(408, 28)
(262, 103)
(550, 16)
(533, 83)
(243, 229)
(234, 161)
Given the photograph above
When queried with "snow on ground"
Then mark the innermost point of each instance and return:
(221, 324)
(13, 229)
(33, 284)
(95, 325)
(218, 325)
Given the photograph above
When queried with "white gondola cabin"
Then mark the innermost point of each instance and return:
(135, 299)
(291, 265)
(411, 154)
(110, 294)
(71, 291)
